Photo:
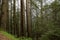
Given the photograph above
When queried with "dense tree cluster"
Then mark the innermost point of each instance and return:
(39, 19)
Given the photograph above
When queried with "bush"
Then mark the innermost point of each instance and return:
(51, 35)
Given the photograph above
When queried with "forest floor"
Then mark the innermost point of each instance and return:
(6, 36)
(3, 37)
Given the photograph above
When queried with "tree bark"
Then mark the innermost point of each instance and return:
(28, 14)
(5, 14)
(22, 18)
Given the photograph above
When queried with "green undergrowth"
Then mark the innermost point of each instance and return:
(13, 37)
(9, 35)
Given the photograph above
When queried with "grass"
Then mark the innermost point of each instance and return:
(13, 37)
(9, 35)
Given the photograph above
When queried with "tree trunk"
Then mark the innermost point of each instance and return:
(14, 19)
(0, 12)
(22, 18)
(5, 13)
(28, 14)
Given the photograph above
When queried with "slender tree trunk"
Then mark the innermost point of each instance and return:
(5, 13)
(28, 14)
(10, 17)
(22, 18)
(55, 14)
(0, 12)
(41, 11)
(14, 19)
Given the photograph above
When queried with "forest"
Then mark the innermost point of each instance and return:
(29, 19)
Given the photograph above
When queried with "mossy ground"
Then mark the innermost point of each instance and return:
(12, 37)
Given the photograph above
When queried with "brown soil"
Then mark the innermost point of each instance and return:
(3, 37)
